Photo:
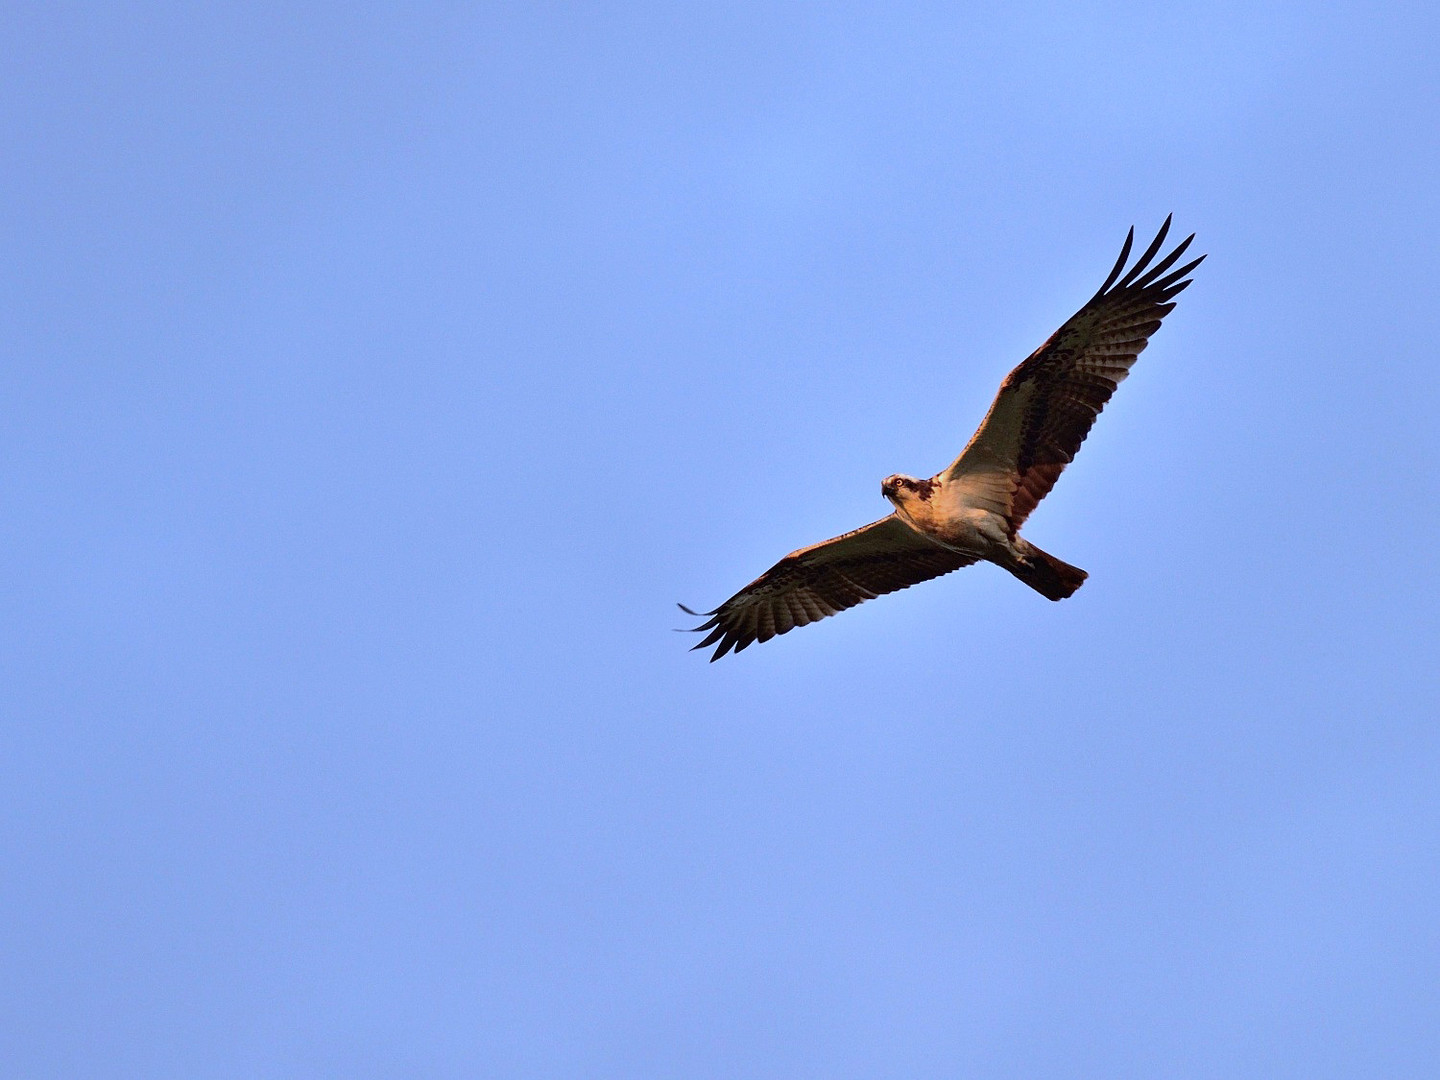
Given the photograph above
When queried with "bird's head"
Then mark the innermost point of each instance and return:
(900, 489)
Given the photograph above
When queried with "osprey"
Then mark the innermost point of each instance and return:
(975, 508)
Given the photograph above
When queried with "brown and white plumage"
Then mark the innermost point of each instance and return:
(974, 509)
(1047, 405)
(809, 584)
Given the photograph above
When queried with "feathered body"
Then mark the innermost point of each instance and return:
(973, 510)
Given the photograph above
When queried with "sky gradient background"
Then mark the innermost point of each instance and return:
(372, 383)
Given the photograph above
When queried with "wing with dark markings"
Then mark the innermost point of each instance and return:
(1047, 405)
(814, 582)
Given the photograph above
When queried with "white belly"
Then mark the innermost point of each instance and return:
(968, 529)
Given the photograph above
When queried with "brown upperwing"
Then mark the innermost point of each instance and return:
(809, 584)
(1047, 405)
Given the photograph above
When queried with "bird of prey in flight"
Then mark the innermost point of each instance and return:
(975, 508)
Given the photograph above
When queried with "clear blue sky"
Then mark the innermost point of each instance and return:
(375, 381)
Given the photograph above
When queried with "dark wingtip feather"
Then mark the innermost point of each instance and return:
(1169, 280)
(710, 623)
(1144, 260)
(1120, 262)
(716, 633)
(1164, 264)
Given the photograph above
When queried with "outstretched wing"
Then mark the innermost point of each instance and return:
(809, 584)
(1047, 405)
